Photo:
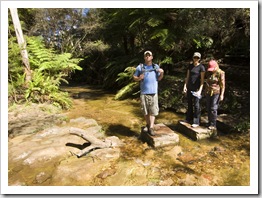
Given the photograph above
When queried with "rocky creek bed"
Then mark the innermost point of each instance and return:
(42, 152)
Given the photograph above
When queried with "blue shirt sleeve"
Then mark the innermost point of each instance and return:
(138, 71)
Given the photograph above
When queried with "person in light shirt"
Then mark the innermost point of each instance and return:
(148, 74)
(215, 89)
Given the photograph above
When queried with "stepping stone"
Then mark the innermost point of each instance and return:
(164, 136)
(198, 133)
(225, 123)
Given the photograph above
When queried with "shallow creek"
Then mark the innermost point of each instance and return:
(207, 162)
(221, 162)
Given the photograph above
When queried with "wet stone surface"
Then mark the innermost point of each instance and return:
(164, 136)
(198, 133)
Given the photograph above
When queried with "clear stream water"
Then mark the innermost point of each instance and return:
(225, 161)
(221, 162)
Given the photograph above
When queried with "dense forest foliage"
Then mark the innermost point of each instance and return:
(103, 46)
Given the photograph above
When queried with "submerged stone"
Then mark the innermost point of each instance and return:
(164, 136)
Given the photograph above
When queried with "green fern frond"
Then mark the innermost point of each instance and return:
(49, 70)
(127, 90)
(154, 22)
(126, 75)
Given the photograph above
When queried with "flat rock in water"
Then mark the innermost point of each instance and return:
(197, 133)
(164, 136)
(225, 123)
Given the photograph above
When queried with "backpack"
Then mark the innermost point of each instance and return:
(143, 69)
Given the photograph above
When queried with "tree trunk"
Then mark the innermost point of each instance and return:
(21, 43)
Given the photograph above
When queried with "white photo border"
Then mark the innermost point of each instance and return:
(252, 189)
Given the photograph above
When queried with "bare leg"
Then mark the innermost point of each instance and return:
(152, 121)
(147, 117)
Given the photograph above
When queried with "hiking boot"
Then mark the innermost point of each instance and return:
(151, 132)
(194, 125)
(211, 128)
(146, 128)
(214, 134)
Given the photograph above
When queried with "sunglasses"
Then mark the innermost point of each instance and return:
(196, 57)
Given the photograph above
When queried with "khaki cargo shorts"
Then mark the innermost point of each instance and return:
(149, 104)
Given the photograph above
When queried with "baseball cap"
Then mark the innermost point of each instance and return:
(148, 52)
(212, 65)
(197, 54)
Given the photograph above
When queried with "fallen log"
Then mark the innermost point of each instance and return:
(95, 142)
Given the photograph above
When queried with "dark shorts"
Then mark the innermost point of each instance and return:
(149, 104)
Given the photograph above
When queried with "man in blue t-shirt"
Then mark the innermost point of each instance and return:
(148, 74)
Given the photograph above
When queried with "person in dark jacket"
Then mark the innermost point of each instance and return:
(192, 88)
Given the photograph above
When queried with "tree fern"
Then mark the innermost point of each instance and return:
(46, 59)
(49, 70)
